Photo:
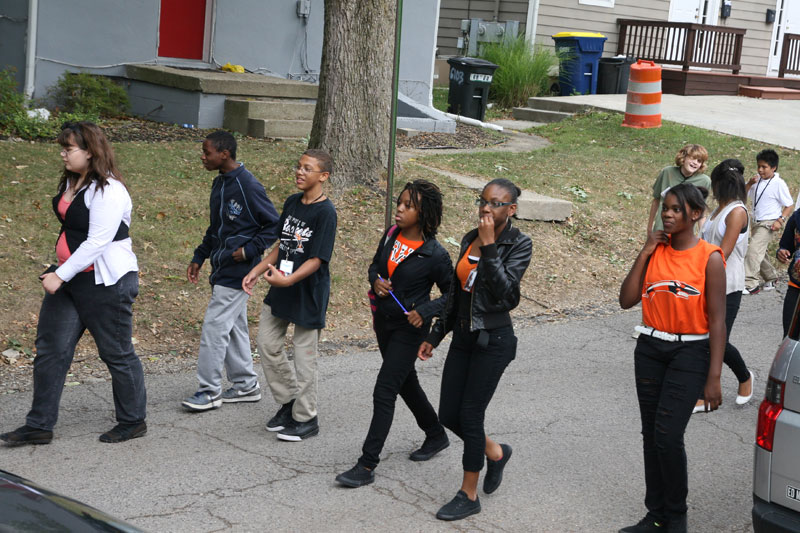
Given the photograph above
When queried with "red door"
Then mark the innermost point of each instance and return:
(182, 28)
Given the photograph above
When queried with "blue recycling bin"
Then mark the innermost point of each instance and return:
(579, 53)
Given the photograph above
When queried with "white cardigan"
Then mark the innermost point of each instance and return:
(111, 259)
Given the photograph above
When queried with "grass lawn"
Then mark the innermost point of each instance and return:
(604, 169)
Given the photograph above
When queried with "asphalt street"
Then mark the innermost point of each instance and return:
(567, 405)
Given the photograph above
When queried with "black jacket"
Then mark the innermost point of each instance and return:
(412, 279)
(496, 289)
(241, 216)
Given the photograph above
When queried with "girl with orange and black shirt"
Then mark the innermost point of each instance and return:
(408, 262)
(485, 288)
(680, 280)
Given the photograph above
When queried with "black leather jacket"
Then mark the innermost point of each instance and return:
(412, 279)
(496, 289)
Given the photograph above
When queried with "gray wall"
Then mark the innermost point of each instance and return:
(101, 36)
(13, 29)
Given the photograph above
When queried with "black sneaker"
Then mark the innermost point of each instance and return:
(430, 447)
(459, 507)
(494, 470)
(123, 432)
(282, 418)
(296, 431)
(677, 524)
(358, 476)
(648, 524)
(27, 435)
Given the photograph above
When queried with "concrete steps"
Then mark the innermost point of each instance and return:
(547, 110)
(269, 117)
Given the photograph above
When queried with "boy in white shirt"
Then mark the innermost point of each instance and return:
(772, 204)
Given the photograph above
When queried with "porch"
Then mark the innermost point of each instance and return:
(702, 52)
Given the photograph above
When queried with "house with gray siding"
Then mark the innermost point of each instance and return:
(145, 43)
(540, 19)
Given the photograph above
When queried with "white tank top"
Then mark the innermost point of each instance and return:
(714, 231)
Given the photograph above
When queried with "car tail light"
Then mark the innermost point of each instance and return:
(768, 412)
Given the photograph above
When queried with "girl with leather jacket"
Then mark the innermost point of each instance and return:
(484, 289)
(408, 262)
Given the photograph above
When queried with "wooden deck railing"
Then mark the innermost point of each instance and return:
(790, 55)
(682, 43)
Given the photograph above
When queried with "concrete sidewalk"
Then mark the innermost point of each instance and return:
(567, 405)
(770, 121)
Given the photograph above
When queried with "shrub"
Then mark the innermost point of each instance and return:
(523, 71)
(12, 102)
(84, 93)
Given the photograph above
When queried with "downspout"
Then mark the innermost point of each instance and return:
(531, 21)
(496, 10)
(30, 60)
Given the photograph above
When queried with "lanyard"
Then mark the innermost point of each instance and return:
(756, 196)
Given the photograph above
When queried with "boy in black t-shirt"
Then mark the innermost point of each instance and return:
(297, 271)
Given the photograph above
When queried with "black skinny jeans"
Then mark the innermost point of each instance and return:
(398, 345)
(670, 376)
(789, 303)
(470, 377)
(732, 356)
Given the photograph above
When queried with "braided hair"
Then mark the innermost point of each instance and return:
(427, 200)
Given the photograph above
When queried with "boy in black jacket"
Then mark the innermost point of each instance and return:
(243, 225)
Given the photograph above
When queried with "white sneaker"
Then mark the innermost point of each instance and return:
(768, 286)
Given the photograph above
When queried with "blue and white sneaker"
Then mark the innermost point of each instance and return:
(202, 401)
(232, 395)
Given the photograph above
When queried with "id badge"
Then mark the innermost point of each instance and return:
(470, 280)
(286, 267)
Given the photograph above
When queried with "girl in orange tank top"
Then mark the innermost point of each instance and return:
(680, 280)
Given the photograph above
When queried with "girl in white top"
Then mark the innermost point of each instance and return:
(92, 287)
(728, 228)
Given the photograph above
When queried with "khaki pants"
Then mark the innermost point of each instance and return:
(755, 262)
(289, 381)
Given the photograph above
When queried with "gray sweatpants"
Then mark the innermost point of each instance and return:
(225, 341)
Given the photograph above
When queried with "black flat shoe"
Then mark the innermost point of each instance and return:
(27, 435)
(123, 432)
(459, 507)
(494, 470)
(430, 447)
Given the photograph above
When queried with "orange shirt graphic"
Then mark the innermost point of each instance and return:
(402, 249)
(673, 294)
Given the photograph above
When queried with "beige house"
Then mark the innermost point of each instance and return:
(540, 19)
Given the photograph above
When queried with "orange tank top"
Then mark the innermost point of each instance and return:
(402, 248)
(673, 294)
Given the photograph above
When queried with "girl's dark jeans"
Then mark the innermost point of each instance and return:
(670, 376)
(106, 312)
(789, 303)
(732, 356)
(398, 345)
(470, 376)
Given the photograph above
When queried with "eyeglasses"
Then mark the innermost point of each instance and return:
(480, 202)
(66, 152)
(306, 170)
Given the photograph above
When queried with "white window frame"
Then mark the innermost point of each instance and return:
(600, 3)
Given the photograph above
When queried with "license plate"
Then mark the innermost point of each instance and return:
(792, 493)
(481, 77)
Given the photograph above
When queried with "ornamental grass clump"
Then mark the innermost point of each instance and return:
(523, 71)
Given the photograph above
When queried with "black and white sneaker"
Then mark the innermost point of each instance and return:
(233, 396)
(296, 431)
(281, 418)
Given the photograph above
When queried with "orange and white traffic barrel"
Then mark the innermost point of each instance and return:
(643, 107)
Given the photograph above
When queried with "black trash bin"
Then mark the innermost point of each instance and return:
(613, 74)
(470, 79)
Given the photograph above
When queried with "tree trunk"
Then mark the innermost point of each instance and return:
(351, 120)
